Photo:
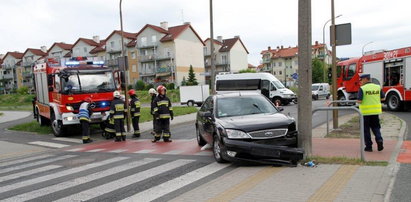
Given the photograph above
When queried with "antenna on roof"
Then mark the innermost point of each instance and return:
(182, 16)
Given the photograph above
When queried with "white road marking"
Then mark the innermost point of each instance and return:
(176, 183)
(49, 144)
(123, 182)
(144, 151)
(96, 150)
(24, 160)
(75, 149)
(204, 153)
(174, 152)
(59, 174)
(28, 172)
(118, 151)
(80, 180)
(65, 139)
(35, 163)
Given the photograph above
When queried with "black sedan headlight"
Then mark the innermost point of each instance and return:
(236, 134)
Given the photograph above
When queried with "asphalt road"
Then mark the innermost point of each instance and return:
(401, 189)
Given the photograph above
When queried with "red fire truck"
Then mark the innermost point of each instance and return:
(390, 69)
(62, 85)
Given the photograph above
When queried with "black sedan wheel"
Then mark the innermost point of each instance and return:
(200, 140)
(217, 150)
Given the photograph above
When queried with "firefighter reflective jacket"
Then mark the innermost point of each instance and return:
(84, 112)
(134, 106)
(118, 109)
(162, 107)
(371, 99)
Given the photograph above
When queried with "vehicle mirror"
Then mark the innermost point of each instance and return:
(280, 109)
(207, 114)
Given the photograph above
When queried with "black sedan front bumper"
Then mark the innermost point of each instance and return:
(262, 153)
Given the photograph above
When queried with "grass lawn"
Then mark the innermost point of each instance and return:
(145, 116)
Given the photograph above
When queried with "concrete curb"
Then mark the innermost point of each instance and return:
(393, 166)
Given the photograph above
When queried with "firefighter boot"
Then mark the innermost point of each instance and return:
(85, 141)
(123, 137)
(167, 137)
(156, 137)
(136, 134)
(118, 138)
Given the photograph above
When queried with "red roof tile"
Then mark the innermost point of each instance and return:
(15, 54)
(126, 34)
(174, 32)
(62, 45)
(215, 41)
(37, 52)
(90, 42)
(288, 52)
(67, 55)
(132, 43)
(97, 49)
(156, 28)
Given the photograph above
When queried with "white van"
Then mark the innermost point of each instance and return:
(265, 83)
(320, 90)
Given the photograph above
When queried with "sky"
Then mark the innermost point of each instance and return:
(375, 24)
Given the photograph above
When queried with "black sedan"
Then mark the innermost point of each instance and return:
(247, 127)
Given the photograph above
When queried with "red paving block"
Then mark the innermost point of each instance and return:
(405, 153)
(350, 148)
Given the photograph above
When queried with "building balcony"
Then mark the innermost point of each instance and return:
(27, 74)
(163, 71)
(7, 66)
(266, 60)
(113, 50)
(111, 63)
(152, 58)
(208, 64)
(146, 73)
(8, 76)
(28, 84)
(28, 64)
(9, 86)
(146, 46)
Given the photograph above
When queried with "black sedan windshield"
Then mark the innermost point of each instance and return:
(244, 105)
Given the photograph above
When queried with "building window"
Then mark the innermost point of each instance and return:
(275, 72)
(273, 64)
(85, 49)
(224, 59)
(112, 44)
(153, 38)
(280, 73)
(143, 41)
(134, 68)
(205, 51)
(280, 64)
(133, 55)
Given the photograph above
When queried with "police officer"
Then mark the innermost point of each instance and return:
(118, 113)
(163, 111)
(370, 96)
(153, 94)
(84, 114)
(135, 112)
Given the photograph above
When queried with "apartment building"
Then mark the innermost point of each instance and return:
(165, 54)
(231, 55)
(60, 50)
(132, 62)
(83, 47)
(1, 74)
(10, 61)
(283, 62)
(24, 72)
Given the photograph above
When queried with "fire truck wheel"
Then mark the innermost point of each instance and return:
(41, 120)
(394, 102)
(57, 126)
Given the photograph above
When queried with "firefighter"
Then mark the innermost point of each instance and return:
(118, 113)
(370, 96)
(163, 111)
(135, 112)
(84, 116)
(153, 94)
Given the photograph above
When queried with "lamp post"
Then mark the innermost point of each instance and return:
(324, 42)
(364, 46)
(212, 76)
(125, 70)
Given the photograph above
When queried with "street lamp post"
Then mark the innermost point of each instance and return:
(125, 70)
(362, 51)
(324, 42)
(212, 76)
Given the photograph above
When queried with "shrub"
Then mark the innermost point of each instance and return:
(140, 85)
(23, 90)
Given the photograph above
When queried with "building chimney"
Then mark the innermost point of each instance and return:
(187, 23)
(237, 36)
(269, 47)
(164, 25)
(278, 47)
(96, 39)
(316, 43)
(220, 38)
(282, 47)
(44, 49)
(1, 56)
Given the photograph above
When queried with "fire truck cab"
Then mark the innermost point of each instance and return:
(61, 87)
(389, 69)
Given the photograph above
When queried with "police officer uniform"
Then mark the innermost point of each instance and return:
(163, 112)
(118, 113)
(369, 97)
(135, 112)
(84, 114)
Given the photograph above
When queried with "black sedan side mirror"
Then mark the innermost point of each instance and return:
(208, 114)
(280, 109)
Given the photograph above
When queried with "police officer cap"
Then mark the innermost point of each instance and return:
(365, 76)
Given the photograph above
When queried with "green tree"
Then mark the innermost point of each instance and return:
(23, 90)
(192, 81)
(184, 82)
(247, 71)
(140, 85)
(317, 71)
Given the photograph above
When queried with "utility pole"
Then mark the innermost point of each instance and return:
(125, 70)
(334, 66)
(212, 76)
(304, 76)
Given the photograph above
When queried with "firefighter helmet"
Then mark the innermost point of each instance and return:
(161, 88)
(131, 92)
(152, 91)
(116, 94)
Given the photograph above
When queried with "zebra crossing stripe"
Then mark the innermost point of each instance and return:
(24, 160)
(176, 183)
(96, 150)
(144, 151)
(174, 152)
(123, 182)
(49, 144)
(65, 139)
(118, 151)
(59, 174)
(81, 180)
(35, 163)
(75, 150)
(29, 172)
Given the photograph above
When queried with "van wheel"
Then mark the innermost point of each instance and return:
(277, 100)
(57, 126)
(190, 103)
(393, 102)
